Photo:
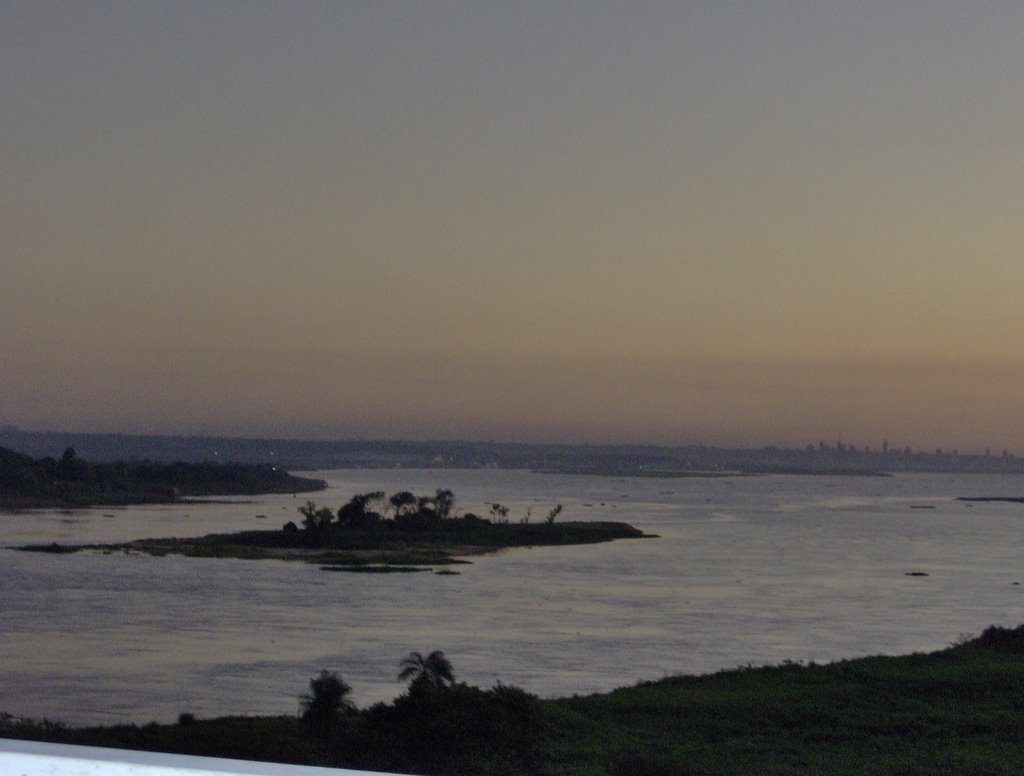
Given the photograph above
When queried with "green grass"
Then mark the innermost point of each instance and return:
(957, 711)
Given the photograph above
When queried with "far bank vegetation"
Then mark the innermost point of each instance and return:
(71, 482)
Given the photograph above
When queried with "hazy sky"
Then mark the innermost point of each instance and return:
(717, 222)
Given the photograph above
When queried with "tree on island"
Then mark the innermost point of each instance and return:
(444, 501)
(315, 518)
(403, 502)
(352, 514)
(401, 511)
(363, 510)
(425, 506)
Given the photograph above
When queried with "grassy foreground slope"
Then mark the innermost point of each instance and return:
(957, 711)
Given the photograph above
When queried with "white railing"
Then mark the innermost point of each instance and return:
(32, 758)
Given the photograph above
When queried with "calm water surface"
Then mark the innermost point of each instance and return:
(746, 570)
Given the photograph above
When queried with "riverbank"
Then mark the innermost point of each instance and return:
(71, 482)
(957, 710)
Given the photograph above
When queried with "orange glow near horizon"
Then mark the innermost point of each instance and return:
(675, 225)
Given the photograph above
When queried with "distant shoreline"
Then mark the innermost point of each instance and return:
(320, 454)
(1009, 499)
(712, 475)
(15, 505)
(71, 482)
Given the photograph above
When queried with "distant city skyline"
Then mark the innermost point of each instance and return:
(884, 447)
(559, 458)
(732, 224)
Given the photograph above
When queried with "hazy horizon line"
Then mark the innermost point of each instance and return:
(893, 448)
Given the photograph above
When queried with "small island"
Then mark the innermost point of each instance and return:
(376, 533)
(70, 482)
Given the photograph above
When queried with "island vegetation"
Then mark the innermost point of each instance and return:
(375, 532)
(38, 483)
(955, 711)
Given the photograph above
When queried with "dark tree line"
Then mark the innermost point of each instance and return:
(403, 509)
(72, 481)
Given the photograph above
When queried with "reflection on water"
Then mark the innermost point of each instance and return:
(746, 570)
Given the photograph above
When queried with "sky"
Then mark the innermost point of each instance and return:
(655, 222)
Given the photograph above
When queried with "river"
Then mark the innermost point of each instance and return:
(745, 570)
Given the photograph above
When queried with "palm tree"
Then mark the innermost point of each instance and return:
(434, 670)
